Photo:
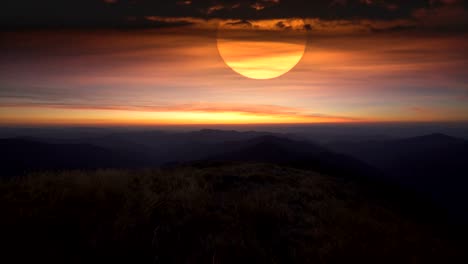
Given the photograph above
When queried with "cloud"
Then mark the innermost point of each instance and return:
(221, 8)
(242, 110)
(170, 22)
(184, 3)
(449, 16)
(213, 9)
(115, 13)
(239, 24)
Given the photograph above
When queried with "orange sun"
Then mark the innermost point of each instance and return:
(262, 49)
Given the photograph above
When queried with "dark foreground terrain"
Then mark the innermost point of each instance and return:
(217, 213)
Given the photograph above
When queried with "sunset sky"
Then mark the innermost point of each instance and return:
(116, 62)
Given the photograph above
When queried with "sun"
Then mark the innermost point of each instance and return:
(262, 49)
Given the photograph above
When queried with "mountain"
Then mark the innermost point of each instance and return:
(24, 155)
(155, 148)
(301, 154)
(232, 197)
(151, 149)
(115, 150)
(434, 164)
(411, 157)
(159, 147)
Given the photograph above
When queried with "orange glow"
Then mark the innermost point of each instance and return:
(263, 50)
(44, 116)
(260, 60)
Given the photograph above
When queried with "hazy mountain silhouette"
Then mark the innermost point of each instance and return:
(404, 159)
(412, 157)
(435, 164)
(159, 147)
(150, 149)
(295, 153)
(115, 150)
(25, 155)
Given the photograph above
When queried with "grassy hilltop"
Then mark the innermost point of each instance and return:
(228, 213)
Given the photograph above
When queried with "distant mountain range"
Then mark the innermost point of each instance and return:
(26, 155)
(434, 164)
(151, 149)
(116, 150)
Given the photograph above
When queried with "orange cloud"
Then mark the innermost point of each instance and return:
(191, 113)
(316, 25)
(169, 115)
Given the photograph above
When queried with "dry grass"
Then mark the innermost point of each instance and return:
(251, 213)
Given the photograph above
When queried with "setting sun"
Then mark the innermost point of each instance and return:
(263, 50)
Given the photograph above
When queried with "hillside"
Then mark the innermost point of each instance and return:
(434, 164)
(214, 212)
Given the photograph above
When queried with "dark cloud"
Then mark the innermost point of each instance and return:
(397, 28)
(240, 23)
(122, 13)
(157, 22)
(280, 25)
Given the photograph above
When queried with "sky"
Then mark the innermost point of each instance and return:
(140, 62)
